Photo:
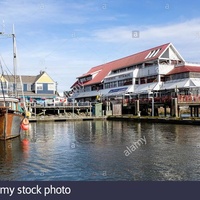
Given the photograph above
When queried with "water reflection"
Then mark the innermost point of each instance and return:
(8, 156)
(94, 150)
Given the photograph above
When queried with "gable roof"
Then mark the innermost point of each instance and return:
(28, 79)
(138, 58)
(25, 78)
(43, 77)
(185, 68)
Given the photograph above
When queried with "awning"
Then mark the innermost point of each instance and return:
(180, 83)
(120, 91)
(146, 88)
(105, 92)
(195, 81)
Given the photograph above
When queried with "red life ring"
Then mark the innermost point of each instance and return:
(25, 124)
(24, 127)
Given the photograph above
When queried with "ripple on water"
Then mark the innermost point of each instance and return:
(94, 150)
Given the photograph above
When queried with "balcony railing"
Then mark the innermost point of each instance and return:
(189, 98)
(165, 99)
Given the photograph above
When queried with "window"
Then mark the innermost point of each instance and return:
(193, 75)
(151, 79)
(142, 81)
(125, 82)
(107, 85)
(4, 85)
(85, 79)
(113, 84)
(120, 83)
(152, 53)
(50, 86)
(180, 76)
(28, 87)
(87, 88)
(39, 86)
(19, 88)
(110, 78)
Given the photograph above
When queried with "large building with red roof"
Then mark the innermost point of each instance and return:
(156, 69)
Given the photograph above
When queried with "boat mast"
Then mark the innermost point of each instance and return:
(14, 62)
(14, 56)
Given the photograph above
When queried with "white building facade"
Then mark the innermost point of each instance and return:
(139, 73)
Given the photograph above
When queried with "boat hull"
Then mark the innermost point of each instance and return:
(10, 125)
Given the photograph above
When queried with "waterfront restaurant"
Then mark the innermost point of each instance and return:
(159, 69)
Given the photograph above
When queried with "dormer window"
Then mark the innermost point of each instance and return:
(152, 53)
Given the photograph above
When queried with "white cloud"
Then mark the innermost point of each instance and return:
(184, 35)
(185, 30)
(67, 38)
(43, 11)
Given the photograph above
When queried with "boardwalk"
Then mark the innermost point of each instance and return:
(176, 105)
(37, 110)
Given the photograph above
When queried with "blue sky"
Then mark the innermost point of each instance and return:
(67, 38)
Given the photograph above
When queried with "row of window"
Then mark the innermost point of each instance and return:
(85, 79)
(142, 65)
(153, 53)
(123, 69)
(184, 75)
(143, 80)
(119, 83)
(50, 86)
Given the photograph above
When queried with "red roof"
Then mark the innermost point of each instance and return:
(74, 84)
(134, 59)
(185, 68)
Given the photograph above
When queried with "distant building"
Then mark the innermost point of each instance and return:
(40, 86)
(139, 73)
(157, 69)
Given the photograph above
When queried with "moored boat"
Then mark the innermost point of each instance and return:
(11, 117)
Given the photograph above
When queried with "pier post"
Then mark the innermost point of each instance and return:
(196, 111)
(90, 109)
(137, 107)
(174, 107)
(165, 110)
(191, 113)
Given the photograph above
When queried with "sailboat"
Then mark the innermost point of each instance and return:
(12, 116)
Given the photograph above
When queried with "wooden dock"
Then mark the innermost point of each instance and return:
(64, 119)
(38, 110)
(165, 120)
(136, 119)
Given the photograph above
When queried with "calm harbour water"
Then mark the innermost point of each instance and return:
(94, 150)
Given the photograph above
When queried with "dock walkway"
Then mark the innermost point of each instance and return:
(64, 119)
